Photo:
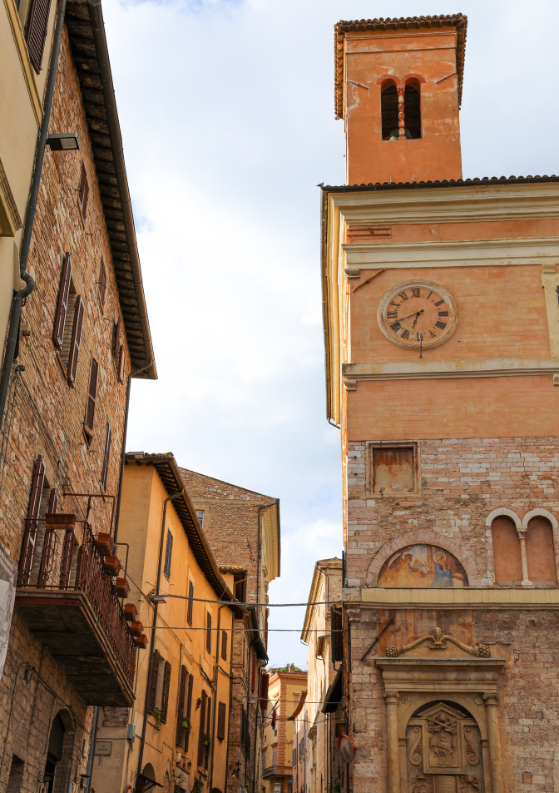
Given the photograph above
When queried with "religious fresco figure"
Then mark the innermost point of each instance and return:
(423, 566)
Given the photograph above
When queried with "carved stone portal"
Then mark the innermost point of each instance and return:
(443, 751)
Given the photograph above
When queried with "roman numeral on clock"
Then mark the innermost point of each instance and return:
(406, 334)
(396, 327)
(403, 295)
(440, 324)
(392, 303)
(392, 315)
(443, 313)
(439, 303)
(416, 292)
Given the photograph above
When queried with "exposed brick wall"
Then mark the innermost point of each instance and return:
(462, 482)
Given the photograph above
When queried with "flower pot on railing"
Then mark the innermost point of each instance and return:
(60, 519)
(111, 565)
(136, 628)
(104, 544)
(185, 724)
(130, 612)
(141, 641)
(121, 587)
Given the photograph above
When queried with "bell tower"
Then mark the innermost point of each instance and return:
(398, 90)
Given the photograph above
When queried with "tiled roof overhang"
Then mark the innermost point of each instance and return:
(457, 21)
(168, 470)
(88, 44)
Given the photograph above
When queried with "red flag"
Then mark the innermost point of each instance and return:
(274, 719)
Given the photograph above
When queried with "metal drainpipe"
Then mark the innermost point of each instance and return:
(92, 748)
(30, 213)
(123, 449)
(152, 642)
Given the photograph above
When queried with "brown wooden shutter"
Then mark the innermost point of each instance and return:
(336, 635)
(121, 363)
(106, 455)
(118, 335)
(202, 728)
(83, 191)
(208, 732)
(30, 533)
(221, 716)
(190, 603)
(153, 686)
(74, 356)
(189, 711)
(264, 681)
(168, 555)
(224, 645)
(208, 632)
(253, 671)
(91, 396)
(166, 689)
(183, 680)
(247, 735)
(36, 31)
(62, 304)
(102, 284)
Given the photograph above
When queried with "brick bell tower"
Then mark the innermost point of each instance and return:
(441, 326)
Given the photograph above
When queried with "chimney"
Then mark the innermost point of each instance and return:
(398, 89)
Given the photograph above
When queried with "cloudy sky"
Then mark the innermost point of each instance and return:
(227, 112)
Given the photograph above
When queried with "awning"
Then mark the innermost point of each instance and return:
(298, 706)
(144, 785)
(334, 694)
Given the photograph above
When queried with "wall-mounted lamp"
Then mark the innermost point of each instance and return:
(63, 141)
(156, 599)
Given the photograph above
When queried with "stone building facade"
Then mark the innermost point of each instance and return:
(81, 338)
(442, 361)
(243, 532)
(286, 687)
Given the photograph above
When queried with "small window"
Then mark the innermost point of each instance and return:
(91, 400)
(221, 719)
(106, 455)
(200, 516)
(392, 470)
(412, 109)
(121, 364)
(102, 284)
(36, 29)
(83, 192)
(389, 111)
(507, 559)
(208, 632)
(224, 645)
(168, 555)
(190, 603)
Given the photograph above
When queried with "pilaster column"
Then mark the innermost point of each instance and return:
(392, 749)
(495, 758)
(526, 581)
(401, 120)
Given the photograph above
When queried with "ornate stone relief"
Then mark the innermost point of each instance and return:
(438, 641)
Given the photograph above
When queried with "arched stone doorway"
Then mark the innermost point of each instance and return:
(59, 753)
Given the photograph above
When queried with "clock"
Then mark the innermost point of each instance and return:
(415, 309)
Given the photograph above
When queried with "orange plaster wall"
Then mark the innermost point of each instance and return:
(501, 314)
(499, 407)
(437, 154)
(450, 232)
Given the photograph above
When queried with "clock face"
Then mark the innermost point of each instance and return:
(417, 308)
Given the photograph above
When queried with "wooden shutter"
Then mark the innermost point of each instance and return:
(91, 396)
(36, 31)
(247, 735)
(208, 632)
(221, 714)
(62, 304)
(264, 681)
(224, 645)
(30, 533)
(189, 711)
(168, 555)
(121, 363)
(190, 603)
(153, 685)
(74, 356)
(336, 635)
(102, 283)
(83, 191)
(202, 728)
(208, 731)
(183, 680)
(166, 689)
(106, 455)
(117, 336)
(253, 671)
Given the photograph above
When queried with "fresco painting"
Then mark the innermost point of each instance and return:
(422, 566)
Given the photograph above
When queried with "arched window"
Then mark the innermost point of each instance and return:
(412, 109)
(506, 552)
(389, 110)
(540, 552)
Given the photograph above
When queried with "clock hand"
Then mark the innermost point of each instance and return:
(415, 314)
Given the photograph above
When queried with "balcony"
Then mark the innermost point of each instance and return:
(277, 770)
(70, 604)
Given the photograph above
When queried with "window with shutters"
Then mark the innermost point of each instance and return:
(168, 555)
(202, 727)
(252, 671)
(183, 682)
(190, 603)
(117, 336)
(221, 718)
(121, 363)
(190, 686)
(166, 687)
(89, 420)
(68, 322)
(83, 192)
(36, 31)
(208, 632)
(208, 733)
(106, 456)
(154, 682)
(42, 499)
(200, 516)
(224, 645)
(62, 307)
(102, 284)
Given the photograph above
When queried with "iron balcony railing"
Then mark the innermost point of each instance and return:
(58, 558)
